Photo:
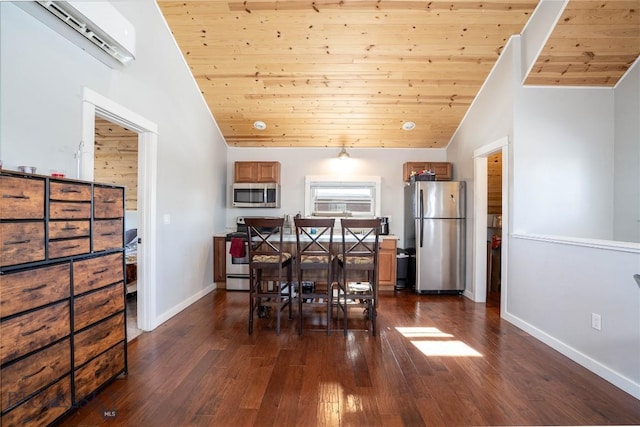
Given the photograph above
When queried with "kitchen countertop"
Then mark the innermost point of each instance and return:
(289, 237)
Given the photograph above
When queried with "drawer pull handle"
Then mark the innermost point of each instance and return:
(71, 210)
(109, 201)
(24, 334)
(11, 196)
(35, 288)
(26, 377)
(108, 234)
(103, 303)
(17, 242)
(104, 270)
(68, 228)
(70, 247)
(70, 190)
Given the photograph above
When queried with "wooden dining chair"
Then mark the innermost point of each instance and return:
(314, 253)
(358, 261)
(270, 270)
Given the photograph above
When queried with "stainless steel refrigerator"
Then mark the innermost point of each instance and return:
(434, 226)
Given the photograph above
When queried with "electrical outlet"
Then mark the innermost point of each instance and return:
(596, 321)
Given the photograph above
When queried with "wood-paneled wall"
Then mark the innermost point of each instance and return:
(116, 158)
(494, 191)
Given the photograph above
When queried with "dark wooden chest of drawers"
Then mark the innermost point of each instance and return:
(62, 294)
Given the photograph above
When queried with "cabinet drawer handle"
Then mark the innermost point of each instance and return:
(68, 228)
(71, 210)
(17, 242)
(69, 190)
(104, 270)
(108, 234)
(70, 247)
(26, 377)
(102, 304)
(35, 288)
(109, 201)
(24, 334)
(11, 196)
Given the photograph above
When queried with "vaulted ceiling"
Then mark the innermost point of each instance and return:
(334, 73)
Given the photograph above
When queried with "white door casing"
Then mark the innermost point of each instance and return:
(95, 104)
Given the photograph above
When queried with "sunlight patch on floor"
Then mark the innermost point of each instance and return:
(418, 332)
(445, 348)
(434, 342)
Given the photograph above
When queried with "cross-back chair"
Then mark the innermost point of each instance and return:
(358, 260)
(270, 269)
(314, 246)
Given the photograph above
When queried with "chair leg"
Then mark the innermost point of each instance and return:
(251, 303)
(299, 290)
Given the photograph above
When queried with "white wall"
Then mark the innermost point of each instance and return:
(554, 284)
(40, 120)
(626, 199)
(563, 162)
(296, 163)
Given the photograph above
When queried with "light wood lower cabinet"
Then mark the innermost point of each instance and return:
(62, 295)
(387, 264)
(219, 259)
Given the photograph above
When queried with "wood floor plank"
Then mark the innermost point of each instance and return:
(202, 368)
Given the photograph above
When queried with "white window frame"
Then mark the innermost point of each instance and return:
(317, 180)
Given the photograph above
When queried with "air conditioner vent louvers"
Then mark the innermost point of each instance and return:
(86, 29)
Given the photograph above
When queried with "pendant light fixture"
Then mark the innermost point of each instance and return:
(343, 155)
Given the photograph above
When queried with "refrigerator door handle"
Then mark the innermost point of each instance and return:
(421, 213)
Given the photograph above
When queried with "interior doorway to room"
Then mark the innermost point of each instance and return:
(491, 197)
(95, 105)
(115, 160)
(494, 228)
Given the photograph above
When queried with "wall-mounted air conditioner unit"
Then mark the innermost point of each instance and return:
(95, 26)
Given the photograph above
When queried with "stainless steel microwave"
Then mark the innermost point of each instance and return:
(256, 195)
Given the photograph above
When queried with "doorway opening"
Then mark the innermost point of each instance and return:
(96, 108)
(490, 242)
(116, 162)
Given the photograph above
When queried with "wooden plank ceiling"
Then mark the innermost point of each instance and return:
(351, 73)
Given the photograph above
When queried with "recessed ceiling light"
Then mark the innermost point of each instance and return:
(408, 126)
(260, 125)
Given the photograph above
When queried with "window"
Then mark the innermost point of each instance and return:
(339, 198)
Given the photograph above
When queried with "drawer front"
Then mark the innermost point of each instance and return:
(108, 234)
(387, 244)
(31, 331)
(95, 340)
(43, 408)
(95, 306)
(101, 369)
(21, 242)
(62, 248)
(108, 202)
(69, 210)
(33, 288)
(68, 229)
(97, 272)
(69, 191)
(21, 198)
(31, 374)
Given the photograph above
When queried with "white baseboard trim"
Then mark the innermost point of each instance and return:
(159, 320)
(623, 383)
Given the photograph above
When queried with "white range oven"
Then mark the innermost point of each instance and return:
(237, 268)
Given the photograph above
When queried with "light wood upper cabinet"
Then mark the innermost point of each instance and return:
(256, 172)
(443, 170)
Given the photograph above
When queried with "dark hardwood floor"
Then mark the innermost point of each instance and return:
(437, 360)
